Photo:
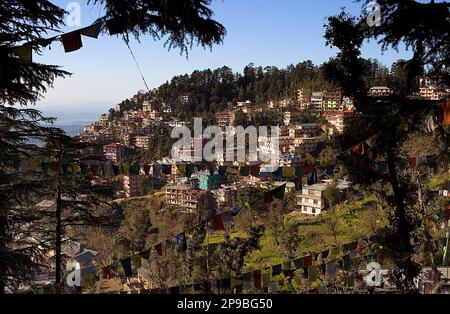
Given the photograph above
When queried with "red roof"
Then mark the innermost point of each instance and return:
(112, 145)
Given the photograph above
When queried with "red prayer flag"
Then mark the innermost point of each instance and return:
(218, 223)
(412, 162)
(54, 167)
(146, 169)
(307, 261)
(444, 113)
(447, 212)
(358, 149)
(72, 41)
(92, 31)
(94, 170)
(257, 279)
(254, 171)
(106, 272)
(268, 198)
(158, 249)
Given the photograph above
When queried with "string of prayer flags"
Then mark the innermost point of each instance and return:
(92, 31)
(72, 41)
(236, 210)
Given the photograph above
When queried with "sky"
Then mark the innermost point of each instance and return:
(263, 32)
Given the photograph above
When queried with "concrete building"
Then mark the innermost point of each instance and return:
(225, 198)
(332, 101)
(380, 91)
(187, 198)
(142, 141)
(338, 120)
(113, 151)
(430, 93)
(310, 200)
(132, 185)
(225, 119)
(316, 102)
(146, 106)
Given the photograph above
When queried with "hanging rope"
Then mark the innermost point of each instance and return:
(135, 61)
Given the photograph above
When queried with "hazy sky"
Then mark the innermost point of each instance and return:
(265, 32)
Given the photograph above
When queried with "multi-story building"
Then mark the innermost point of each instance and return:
(289, 115)
(338, 120)
(132, 185)
(146, 106)
(187, 198)
(245, 106)
(379, 91)
(316, 102)
(225, 119)
(303, 97)
(103, 120)
(430, 93)
(309, 201)
(332, 101)
(113, 151)
(142, 141)
(225, 198)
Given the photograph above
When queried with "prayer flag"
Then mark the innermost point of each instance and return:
(146, 169)
(145, 254)
(136, 261)
(244, 171)
(218, 223)
(126, 265)
(307, 261)
(181, 241)
(257, 279)
(117, 25)
(299, 171)
(92, 31)
(276, 270)
(71, 41)
(288, 172)
(312, 177)
(358, 149)
(25, 53)
(158, 249)
(444, 113)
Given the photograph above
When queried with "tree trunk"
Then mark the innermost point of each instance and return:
(58, 242)
(403, 238)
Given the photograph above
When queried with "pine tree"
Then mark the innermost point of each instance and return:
(423, 27)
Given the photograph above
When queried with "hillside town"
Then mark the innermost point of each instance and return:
(324, 176)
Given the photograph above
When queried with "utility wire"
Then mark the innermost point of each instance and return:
(135, 61)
